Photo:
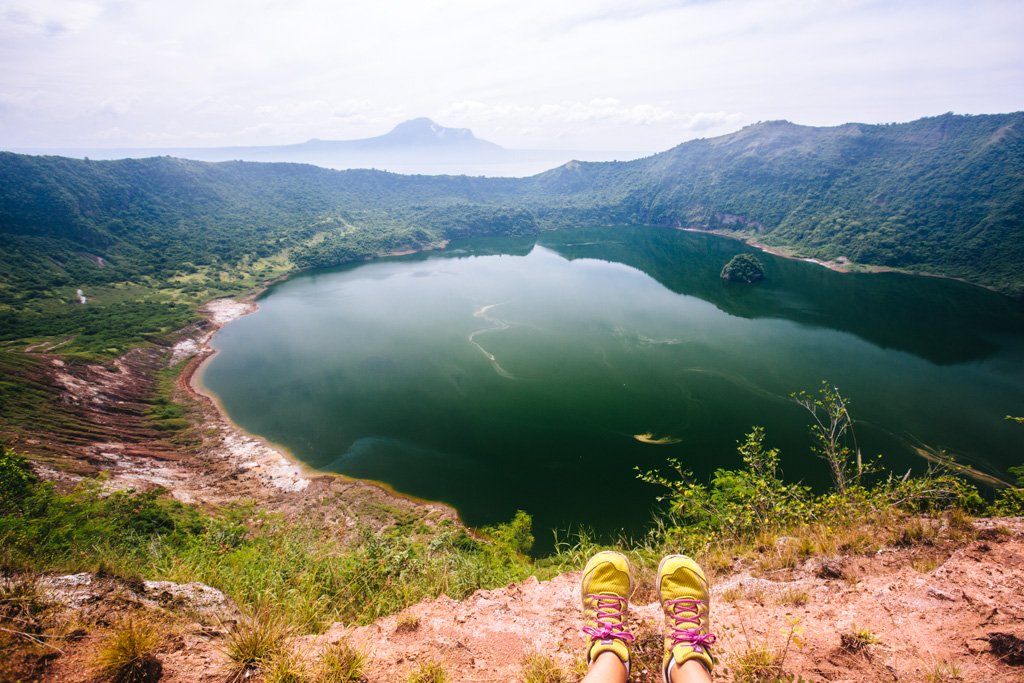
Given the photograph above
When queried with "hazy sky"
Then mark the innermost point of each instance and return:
(570, 74)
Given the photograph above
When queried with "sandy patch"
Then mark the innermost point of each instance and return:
(223, 311)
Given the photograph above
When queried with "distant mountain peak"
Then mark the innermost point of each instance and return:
(424, 131)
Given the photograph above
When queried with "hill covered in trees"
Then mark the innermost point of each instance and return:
(943, 195)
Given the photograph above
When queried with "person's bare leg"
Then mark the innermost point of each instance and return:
(607, 668)
(691, 671)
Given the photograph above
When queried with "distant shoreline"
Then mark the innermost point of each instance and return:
(840, 265)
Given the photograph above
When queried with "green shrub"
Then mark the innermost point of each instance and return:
(17, 480)
(1009, 503)
(737, 503)
(749, 504)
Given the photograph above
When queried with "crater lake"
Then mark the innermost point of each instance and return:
(537, 373)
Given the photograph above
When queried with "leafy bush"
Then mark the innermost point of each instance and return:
(750, 505)
(17, 481)
(1010, 501)
(742, 503)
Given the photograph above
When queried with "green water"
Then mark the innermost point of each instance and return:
(506, 374)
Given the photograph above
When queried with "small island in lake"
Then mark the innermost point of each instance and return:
(743, 268)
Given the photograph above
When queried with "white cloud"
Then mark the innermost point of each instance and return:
(48, 17)
(707, 120)
(524, 73)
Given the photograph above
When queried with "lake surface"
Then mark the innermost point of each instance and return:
(505, 374)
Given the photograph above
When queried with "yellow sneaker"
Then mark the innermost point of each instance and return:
(685, 599)
(607, 585)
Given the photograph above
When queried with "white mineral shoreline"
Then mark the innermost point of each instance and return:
(272, 463)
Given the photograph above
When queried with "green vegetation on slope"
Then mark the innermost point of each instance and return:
(312, 577)
(943, 195)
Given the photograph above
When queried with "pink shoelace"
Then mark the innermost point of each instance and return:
(685, 628)
(609, 612)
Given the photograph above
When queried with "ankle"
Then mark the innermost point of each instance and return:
(690, 671)
(607, 667)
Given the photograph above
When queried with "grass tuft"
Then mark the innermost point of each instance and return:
(797, 597)
(285, 667)
(542, 668)
(859, 639)
(21, 601)
(756, 664)
(430, 672)
(407, 623)
(943, 672)
(340, 663)
(258, 639)
(129, 653)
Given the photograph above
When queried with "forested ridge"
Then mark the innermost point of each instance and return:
(943, 195)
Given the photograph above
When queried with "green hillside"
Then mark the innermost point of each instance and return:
(943, 195)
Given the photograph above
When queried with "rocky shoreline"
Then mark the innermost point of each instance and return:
(103, 427)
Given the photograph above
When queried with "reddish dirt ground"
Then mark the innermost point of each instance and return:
(928, 626)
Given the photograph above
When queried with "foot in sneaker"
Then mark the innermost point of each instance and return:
(607, 585)
(685, 599)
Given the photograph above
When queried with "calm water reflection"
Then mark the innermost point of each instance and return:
(513, 374)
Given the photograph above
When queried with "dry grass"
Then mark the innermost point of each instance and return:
(793, 596)
(926, 564)
(943, 672)
(430, 672)
(915, 532)
(744, 591)
(285, 667)
(407, 623)
(20, 599)
(958, 521)
(756, 664)
(771, 552)
(128, 655)
(646, 652)
(579, 668)
(542, 668)
(258, 639)
(758, 660)
(859, 639)
(340, 663)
